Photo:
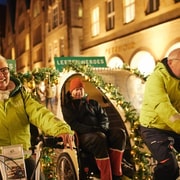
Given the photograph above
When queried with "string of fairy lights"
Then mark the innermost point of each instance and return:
(142, 159)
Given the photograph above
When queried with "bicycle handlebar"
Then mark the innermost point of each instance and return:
(54, 142)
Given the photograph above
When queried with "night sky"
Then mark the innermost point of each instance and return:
(3, 2)
(2, 17)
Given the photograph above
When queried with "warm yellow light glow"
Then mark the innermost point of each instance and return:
(95, 21)
(13, 53)
(27, 43)
(135, 92)
(42, 86)
(80, 12)
(175, 46)
(129, 10)
(115, 62)
(144, 62)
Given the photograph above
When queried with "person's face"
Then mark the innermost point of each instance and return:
(4, 75)
(175, 66)
(78, 93)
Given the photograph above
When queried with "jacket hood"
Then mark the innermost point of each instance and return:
(164, 62)
(18, 86)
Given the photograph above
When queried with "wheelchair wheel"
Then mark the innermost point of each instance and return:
(65, 168)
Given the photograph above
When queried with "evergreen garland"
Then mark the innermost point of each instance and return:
(142, 160)
(38, 75)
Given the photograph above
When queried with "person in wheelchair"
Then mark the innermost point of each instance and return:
(18, 110)
(89, 120)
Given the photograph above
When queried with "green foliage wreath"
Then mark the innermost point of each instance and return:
(142, 159)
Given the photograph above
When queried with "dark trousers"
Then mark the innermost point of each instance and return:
(99, 143)
(161, 144)
(30, 167)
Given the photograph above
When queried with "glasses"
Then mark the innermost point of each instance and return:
(4, 70)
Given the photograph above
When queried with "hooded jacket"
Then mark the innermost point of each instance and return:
(161, 103)
(85, 115)
(18, 111)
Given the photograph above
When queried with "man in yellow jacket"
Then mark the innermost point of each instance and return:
(18, 109)
(160, 116)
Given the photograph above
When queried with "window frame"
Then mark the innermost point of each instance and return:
(129, 10)
(151, 6)
(95, 24)
(110, 15)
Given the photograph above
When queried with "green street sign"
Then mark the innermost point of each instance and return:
(11, 64)
(94, 61)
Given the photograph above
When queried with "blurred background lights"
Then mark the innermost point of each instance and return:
(175, 46)
(115, 62)
(144, 62)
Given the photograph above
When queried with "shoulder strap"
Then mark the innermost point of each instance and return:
(22, 95)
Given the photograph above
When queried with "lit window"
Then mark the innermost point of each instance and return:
(13, 53)
(144, 62)
(115, 62)
(80, 11)
(55, 49)
(55, 17)
(61, 13)
(129, 10)
(37, 38)
(62, 46)
(151, 6)
(49, 22)
(27, 43)
(110, 14)
(50, 55)
(95, 21)
(36, 8)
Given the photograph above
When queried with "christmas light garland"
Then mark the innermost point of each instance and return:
(38, 75)
(142, 160)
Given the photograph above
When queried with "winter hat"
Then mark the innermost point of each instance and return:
(75, 83)
(175, 54)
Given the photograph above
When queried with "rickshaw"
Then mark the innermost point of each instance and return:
(79, 165)
(124, 81)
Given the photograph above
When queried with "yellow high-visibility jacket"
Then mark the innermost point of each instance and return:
(16, 114)
(161, 103)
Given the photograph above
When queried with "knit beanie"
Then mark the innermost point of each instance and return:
(75, 83)
(175, 54)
